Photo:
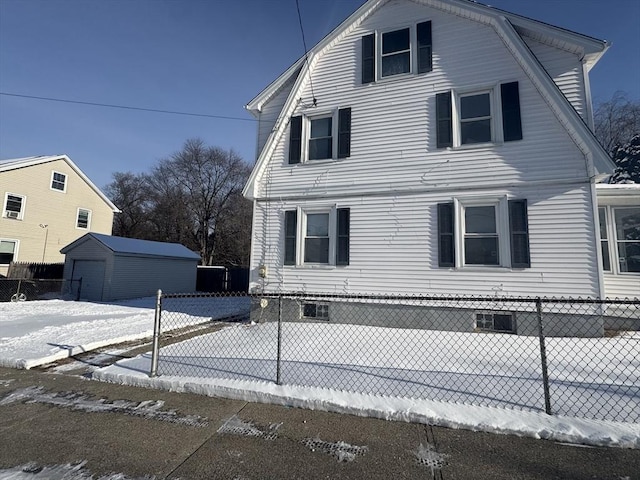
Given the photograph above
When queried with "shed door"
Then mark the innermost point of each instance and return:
(92, 274)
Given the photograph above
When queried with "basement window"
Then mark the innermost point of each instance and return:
(496, 322)
(318, 311)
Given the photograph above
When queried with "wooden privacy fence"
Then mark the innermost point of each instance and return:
(26, 270)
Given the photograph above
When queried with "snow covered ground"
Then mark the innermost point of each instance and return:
(34, 333)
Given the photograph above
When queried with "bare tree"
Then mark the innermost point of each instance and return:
(130, 193)
(617, 121)
(197, 185)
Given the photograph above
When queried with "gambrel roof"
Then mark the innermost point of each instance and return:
(15, 163)
(510, 28)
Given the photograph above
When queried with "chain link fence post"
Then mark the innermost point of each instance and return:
(156, 336)
(278, 380)
(543, 358)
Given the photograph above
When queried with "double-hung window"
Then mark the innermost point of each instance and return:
(620, 238)
(83, 220)
(490, 232)
(475, 118)
(320, 136)
(58, 181)
(396, 52)
(482, 116)
(318, 236)
(14, 206)
(627, 223)
(8, 251)
(481, 236)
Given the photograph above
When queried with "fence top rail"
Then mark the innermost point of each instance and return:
(440, 298)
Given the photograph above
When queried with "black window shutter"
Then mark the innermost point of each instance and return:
(511, 123)
(519, 233)
(295, 139)
(342, 247)
(290, 233)
(368, 58)
(344, 132)
(446, 241)
(444, 125)
(425, 49)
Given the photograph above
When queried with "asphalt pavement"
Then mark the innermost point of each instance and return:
(49, 419)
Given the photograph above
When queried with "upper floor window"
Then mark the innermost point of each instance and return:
(14, 206)
(320, 137)
(83, 219)
(471, 117)
(8, 251)
(397, 52)
(58, 181)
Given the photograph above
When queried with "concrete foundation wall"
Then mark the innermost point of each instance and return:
(455, 319)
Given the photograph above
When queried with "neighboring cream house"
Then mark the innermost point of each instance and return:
(47, 203)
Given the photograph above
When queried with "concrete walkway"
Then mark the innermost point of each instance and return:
(53, 419)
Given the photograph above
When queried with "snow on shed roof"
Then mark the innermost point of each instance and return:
(134, 246)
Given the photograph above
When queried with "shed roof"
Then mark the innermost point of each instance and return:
(134, 246)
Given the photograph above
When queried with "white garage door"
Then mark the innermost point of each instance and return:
(92, 274)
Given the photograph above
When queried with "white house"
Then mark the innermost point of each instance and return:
(432, 147)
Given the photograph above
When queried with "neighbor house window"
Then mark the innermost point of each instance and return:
(627, 227)
(483, 232)
(396, 52)
(469, 117)
(604, 239)
(14, 206)
(496, 321)
(320, 137)
(316, 237)
(8, 251)
(58, 181)
(315, 310)
(84, 218)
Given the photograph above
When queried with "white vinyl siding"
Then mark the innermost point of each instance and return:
(394, 248)
(566, 71)
(393, 135)
(395, 176)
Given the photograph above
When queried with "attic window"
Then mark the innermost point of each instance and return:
(396, 52)
(58, 181)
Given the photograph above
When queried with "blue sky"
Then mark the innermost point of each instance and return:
(209, 57)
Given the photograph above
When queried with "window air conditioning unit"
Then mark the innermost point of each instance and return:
(13, 215)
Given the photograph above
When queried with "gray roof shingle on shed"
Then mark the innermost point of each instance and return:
(134, 246)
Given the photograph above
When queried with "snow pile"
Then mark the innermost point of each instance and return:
(78, 471)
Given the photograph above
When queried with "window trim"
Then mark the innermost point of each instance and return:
(23, 203)
(502, 229)
(605, 210)
(53, 173)
(16, 248)
(495, 117)
(412, 47)
(306, 135)
(612, 238)
(302, 234)
(89, 215)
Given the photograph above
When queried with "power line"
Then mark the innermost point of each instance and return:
(306, 58)
(126, 107)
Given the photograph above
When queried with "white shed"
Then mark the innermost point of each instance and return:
(117, 268)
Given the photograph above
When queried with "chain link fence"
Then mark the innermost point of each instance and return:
(21, 290)
(574, 357)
